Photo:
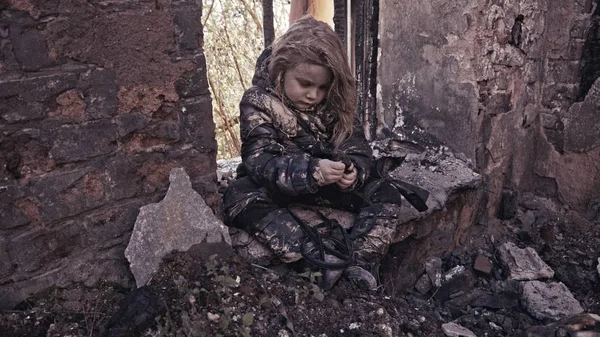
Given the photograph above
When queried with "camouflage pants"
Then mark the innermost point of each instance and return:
(265, 215)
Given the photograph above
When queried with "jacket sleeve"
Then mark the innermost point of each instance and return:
(360, 153)
(265, 159)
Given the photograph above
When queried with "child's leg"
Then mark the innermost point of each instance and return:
(371, 245)
(250, 207)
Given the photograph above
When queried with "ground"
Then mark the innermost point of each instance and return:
(230, 297)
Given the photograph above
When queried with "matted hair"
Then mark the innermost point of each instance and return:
(311, 41)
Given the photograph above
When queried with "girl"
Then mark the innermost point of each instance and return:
(301, 144)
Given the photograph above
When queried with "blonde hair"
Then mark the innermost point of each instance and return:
(314, 42)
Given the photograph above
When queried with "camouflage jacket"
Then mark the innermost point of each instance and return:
(278, 141)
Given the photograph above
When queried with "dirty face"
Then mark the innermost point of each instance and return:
(306, 85)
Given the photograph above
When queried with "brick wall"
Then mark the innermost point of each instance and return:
(98, 101)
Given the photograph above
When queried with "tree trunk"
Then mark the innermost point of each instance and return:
(268, 27)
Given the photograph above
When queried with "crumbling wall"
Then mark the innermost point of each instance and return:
(500, 82)
(98, 101)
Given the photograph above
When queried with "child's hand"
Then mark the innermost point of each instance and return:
(347, 179)
(328, 171)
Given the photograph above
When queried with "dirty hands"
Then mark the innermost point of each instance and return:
(329, 172)
(347, 179)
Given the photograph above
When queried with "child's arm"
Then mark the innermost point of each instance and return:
(265, 159)
(360, 153)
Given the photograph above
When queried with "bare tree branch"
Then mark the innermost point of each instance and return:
(208, 13)
(253, 15)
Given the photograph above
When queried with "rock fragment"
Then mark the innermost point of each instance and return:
(433, 267)
(455, 330)
(181, 220)
(551, 301)
(483, 264)
(523, 264)
(456, 281)
(423, 284)
(578, 325)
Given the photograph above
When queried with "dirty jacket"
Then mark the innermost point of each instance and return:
(278, 141)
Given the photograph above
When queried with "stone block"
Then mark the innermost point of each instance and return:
(6, 265)
(532, 71)
(552, 301)
(562, 71)
(99, 91)
(189, 29)
(558, 95)
(38, 87)
(582, 122)
(167, 131)
(574, 49)
(131, 122)
(580, 28)
(81, 142)
(551, 120)
(29, 44)
(65, 194)
(507, 55)
(123, 179)
(181, 220)
(192, 83)
(16, 109)
(523, 264)
(11, 215)
(197, 125)
(499, 102)
(39, 248)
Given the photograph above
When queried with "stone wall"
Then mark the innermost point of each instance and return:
(498, 81)
(98, 101)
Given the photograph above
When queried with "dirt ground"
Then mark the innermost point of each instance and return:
(230, 297)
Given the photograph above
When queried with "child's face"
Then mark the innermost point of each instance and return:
(306, 85)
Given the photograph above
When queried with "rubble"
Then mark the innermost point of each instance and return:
(455, 330)
(578, 325)
(433, 268)
(551, 301)
(423, 284)
(456, 282)
(483, 264)
(523, 264)
(179, 221)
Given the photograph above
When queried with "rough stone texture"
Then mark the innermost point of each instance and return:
(99, 100)
(455, 330)
(551, 301)
(452, 72)
(523, 264)
(452, 214)
(179, 221)
(456, 281)
(578, 325)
